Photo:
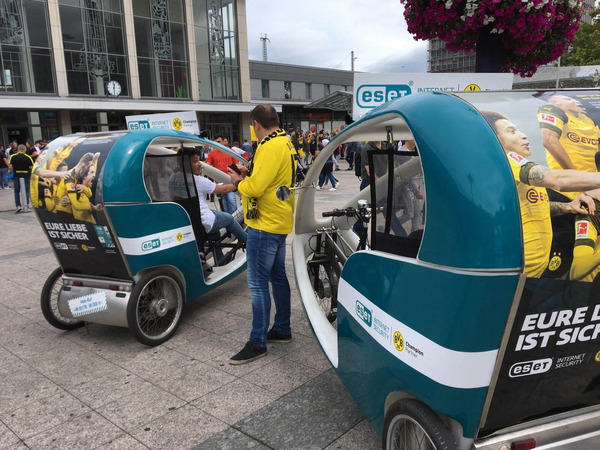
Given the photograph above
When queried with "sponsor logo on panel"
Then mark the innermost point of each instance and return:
(177, 123)
(61, 246)
(139, 125)
(472, 87)
(371, 95)
(548, 118)
(364, 313)
(150, 245)
(398, 341)
(582, 228)
(526, 368)
(517, 158)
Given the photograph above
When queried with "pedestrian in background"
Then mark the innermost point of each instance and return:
(21, 164)
(3, 169)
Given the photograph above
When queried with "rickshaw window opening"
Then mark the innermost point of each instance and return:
(402, 204)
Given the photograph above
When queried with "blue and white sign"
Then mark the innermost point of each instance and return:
(180, 121)
(374, 89)
(88, 304)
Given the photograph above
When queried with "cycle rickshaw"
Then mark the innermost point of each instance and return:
(122, 215)
(436, 329)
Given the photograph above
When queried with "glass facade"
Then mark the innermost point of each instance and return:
(94, 42)
(161, 43)
(215, 32)
(22, 126)
(26, 63)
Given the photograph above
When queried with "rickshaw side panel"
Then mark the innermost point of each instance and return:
(447, 367)
(159, 234)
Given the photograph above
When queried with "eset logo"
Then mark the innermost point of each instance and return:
(373, 95)
(139, 125)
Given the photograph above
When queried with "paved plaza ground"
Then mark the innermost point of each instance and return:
(97, 387)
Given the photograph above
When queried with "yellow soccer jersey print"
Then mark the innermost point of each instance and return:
(578, 136)
(535, 217)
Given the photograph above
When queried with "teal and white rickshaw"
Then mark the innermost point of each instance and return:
(426, 325)
(126, 230)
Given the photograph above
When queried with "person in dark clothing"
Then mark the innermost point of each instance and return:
(3, 169)
(21, 164)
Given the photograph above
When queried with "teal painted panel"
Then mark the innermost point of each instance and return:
(457, 311)
(135, 221)
(370, 374)
(473, 218)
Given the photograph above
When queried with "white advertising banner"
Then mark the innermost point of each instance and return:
(180, 121)
(374, 89)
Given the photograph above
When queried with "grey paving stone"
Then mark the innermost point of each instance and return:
(310, 355)
(181, 428)
(43, 414)
(31, 340)
(217, 321)
(361, 437)
(23, 386)
(69, 365)
(148, 361)
(312, 416)
(281, 376)
(231, 439)
(110, 387)
(7, 437)
(190, 381)
(123, 442)
(235, 401)
(141, 407)
(83, 432)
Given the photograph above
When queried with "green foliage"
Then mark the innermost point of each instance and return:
(585, 48)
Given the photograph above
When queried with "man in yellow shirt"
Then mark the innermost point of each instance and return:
(269, 221)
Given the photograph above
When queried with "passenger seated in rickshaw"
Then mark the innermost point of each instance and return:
(532, 180)
(213, 221)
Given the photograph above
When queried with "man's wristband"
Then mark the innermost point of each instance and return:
(237, 183)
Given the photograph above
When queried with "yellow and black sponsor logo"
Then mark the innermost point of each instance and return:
(177, 124)
(84, 247)
(555, 262)
(398, 341)
(597, 357)
(179, 237)
(472, 87)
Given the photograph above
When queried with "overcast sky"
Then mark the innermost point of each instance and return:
(322, 33)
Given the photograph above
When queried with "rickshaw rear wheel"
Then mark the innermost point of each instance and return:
(49, 303)
(411, 425)
(154, 308)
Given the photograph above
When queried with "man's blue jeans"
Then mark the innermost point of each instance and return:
(4, 177)
(225, 220)
(229, 202)
(265, 253)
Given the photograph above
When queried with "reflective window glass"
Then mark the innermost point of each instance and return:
(36, 23)
(141, 8)
(72, 28)
(143, 37)
(199, 11)
(25, 58)
(202, 50)
(178, 41)
(176, 11)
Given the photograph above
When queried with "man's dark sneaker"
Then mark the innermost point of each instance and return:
(249, 353)
(276, 336)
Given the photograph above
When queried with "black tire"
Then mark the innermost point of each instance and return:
(154, 307)
(410, 425)
(49, 303)
(324, 282)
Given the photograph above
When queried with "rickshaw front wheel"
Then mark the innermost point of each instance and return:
(154, 308)
(411, 425)
(49, 303)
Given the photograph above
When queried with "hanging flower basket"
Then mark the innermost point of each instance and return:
(532, 33)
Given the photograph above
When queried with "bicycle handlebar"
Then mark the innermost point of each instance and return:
(350, 212)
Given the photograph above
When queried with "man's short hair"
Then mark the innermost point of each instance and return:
(61, 165)
(39, 141)
(218, 136)
(21, 148)
(492, 117)
(265, 115)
